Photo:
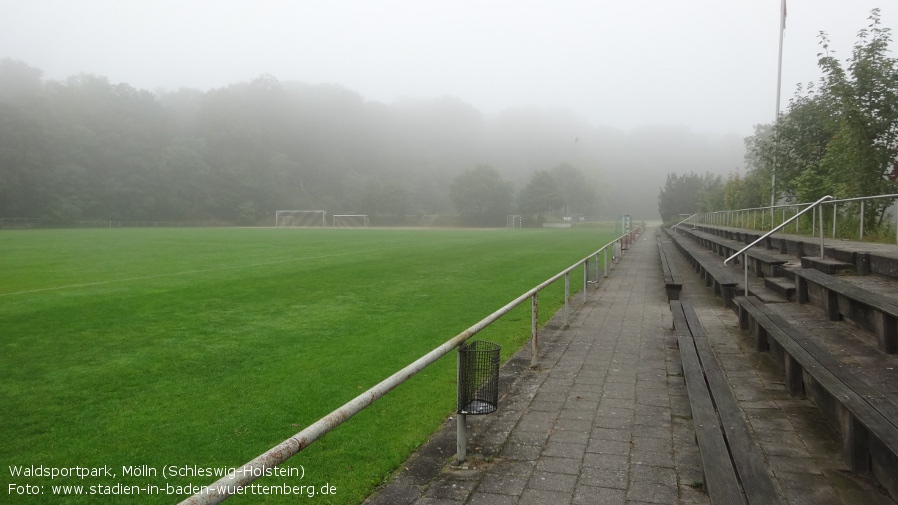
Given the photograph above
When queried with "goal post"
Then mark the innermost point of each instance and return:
(429, 219)
(513, 221)
(351, 221)
(300, 219)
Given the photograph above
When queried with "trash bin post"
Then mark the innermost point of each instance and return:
(461, 432)
(478, 387)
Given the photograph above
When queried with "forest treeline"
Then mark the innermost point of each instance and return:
(837, 137)
(87, 148)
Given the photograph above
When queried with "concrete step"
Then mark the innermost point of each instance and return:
(763, 293)
(782, 286)
(827, 266)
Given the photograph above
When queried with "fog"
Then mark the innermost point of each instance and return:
(88, 148)
(705, 64)
(413, 93)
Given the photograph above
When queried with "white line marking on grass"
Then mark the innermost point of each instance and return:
(189, 272)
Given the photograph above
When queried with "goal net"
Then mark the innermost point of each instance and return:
(429, 219)
(351, 221)
(513, 221)
(300, 219)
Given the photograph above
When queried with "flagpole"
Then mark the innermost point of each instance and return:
(779, 81)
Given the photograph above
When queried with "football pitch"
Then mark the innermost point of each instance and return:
(145, 361)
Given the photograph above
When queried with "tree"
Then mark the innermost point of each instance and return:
(839, 137)
(17, 79)
(743, 192)
(576, 192)
(481, 196)
(540, 196)
(100, 150)
(680, 195)
(860, 156)
(383, 197)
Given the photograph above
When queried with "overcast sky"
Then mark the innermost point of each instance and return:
(708, 65)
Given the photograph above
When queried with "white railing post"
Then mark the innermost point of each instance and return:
(835, 217)
(605, 260)
(567, 297)
(862, 220)
(534, 324)
(585, 279)
(814, 222)
(597, 269)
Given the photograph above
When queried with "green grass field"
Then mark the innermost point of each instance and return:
(203, 348)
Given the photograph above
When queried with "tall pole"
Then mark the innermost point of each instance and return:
(779, 82)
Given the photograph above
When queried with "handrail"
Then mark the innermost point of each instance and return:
(764, 207)
(801, 204)
(683, 221)
(711, 216)
(774, 230)
(891, 195)
(781, 226)
(229, 485)
(863, 200)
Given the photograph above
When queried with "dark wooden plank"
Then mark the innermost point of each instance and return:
(884, 310)
(712, 264)
(756, 480)
(665, 265)
(665, 249)
(733, 246)
(863, 401)
(848, 289)
(720, 475)
(672, 282)
(867, 393)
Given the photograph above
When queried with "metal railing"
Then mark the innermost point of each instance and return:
(774, 230)
(686, 219)
(749, 218)
(223, 488)
(862, 200)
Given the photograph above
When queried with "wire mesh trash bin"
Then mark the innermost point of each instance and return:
(478, 377)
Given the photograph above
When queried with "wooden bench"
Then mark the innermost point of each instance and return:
(842, 299)
(711, 269)
(672, 284)
(735, 471)
(864, 417)
(760, 261)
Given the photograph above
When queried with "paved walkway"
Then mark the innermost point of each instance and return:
(605, 418)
